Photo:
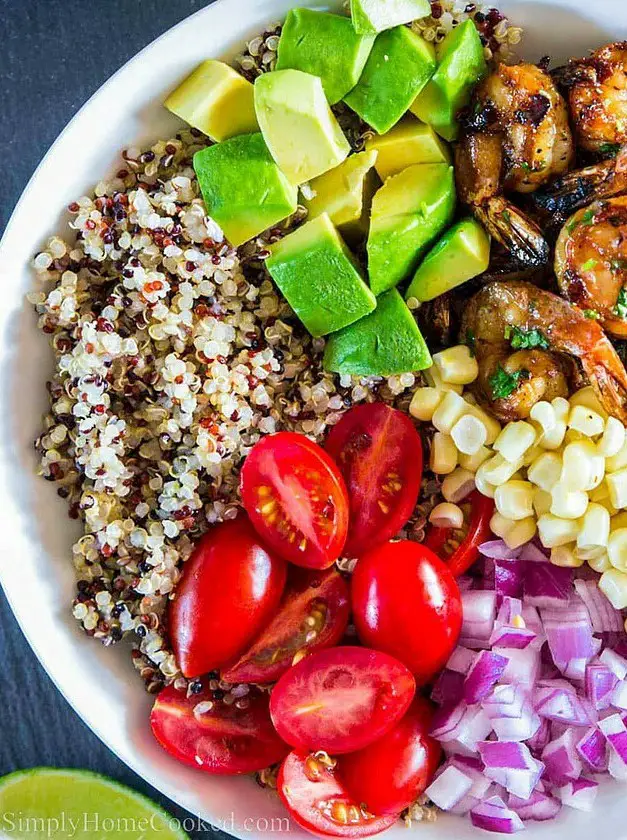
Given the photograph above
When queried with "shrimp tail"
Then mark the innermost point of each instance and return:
(607, 375)
(582, 186)
(514, 230)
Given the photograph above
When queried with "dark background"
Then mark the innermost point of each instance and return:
(53, 55)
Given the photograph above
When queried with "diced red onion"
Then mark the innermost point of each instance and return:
(541, 738)
(508, 578)
(461, 660)
(569, 634)
(603, 616)
(531, 617)
(511, 637)
(498, 550)
(593, 749)
(448, 689)
(486, 670)
(510, 764)
(449, 788)
(616, 735)
(473, 727)
(531, 553)
(546, 585)
(561, 759)
(512, 715)
(617, 767)
(479, 611)
(619, 696)
(579, 794)
(616, 663)
(539, 806)
(494, 815)
(558, 700)
(600, 682)
(523, 666)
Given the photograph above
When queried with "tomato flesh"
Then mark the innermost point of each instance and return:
(379, 453)
(459, 548)
(340, 699)
(222, 739)
(312, 615)
(318, 802)
(407, 603)
(296, 499)
(230, 588)
(394, 771)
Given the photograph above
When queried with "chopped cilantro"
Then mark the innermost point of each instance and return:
(586, 218)
(609, 149)
(620, 307)
(525, 166)
(592, 314)
(526, 339)
(503, 383)
(506, 216)
(589, 264)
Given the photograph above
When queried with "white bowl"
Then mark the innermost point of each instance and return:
(36, 569)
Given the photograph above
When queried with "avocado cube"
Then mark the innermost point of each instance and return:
(461, 64)
(409, 142)
(216, 100)
(345, 194)
(462, 253)
(324, 45)
(318, 276)
(385, 342)
(377, 15)
(303, 136)
(244, 190)
(408, 213)
(399, 66)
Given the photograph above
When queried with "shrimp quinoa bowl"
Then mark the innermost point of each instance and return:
(339, 402)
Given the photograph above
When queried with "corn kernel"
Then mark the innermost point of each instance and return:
(531, 454)
(600, 492)
(607, 504)
(513, 532)
(514, 440)
(497, 470)
(613, 584)
(473, 462)
(447, 515)
(618, 521)
(554, 437)
(456, 365)
(457, 485)
(569, 504)
(600, 564)
(546, 470)
(543, 415)
(585, 420)
(484, 486)
(561, 407)
(541, 502)
(555, 531)
(587, 397)
(594, 552)
(443, 458)
(613, 438)
(448, 412)
(493, 427)
(565, 555)
(617, 485)
(514, 499)
(617, 549)
(469, 434)
(424, 403)
(433, 378)
(582, 467)
(595, 527)
(618, 461)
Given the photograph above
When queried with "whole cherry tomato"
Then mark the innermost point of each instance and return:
(406, 602)
(460, 548)
(231, 587)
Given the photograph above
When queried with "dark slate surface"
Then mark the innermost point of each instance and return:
(53, 55)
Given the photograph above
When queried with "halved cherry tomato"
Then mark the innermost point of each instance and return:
(312, 615)
(217, 739)
(340, 699)
(230, 588)
(460, 548)
(393, 772)
(317, 800)
(379, 453)
(296, 499)
(407, 603)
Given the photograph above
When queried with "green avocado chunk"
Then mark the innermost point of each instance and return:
(400, 65)
(244, 190)
(408, 213)
(319, 278)
(324, 45)
(461, 64)
(409, 142)
(385, 342)
(462, 253)
(377, 15)
(303, 136)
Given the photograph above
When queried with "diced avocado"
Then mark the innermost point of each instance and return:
(345, 194)
(385, 342)
(319, 277)
(462, 253)
(302, 134)
(399, 66)
(408, 213)
(324, 45)
(409, 142)
(461, 65)
(244, 190)
(377, 15)
(216, 100)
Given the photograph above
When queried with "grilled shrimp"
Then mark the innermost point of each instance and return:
(591, 262)
(531, 345)
(516, 138)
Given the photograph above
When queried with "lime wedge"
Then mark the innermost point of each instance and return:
(49, 804)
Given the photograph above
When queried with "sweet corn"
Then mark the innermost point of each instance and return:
(541, 502)
(613, 584)
(457, 485)
(612, 440)
(553, 438)
(607, 504)
(531, 454)
(546, 470)
(617, 549)
(474, 461)
(432, 375)
(565, 555)
(600, 564)
(595, 528)
(484, 486)
(497, 470)
(617, 486)
(443, 454)
(618, 521)
(448, 412)
(493, 427)
(600, 492)
(514, 440)
(595, 552)
(447, 515)
(456, 365)
(569, 504)
(514, 532)
(555, 531)
(543, 415)
(514, 499)
(585, 420)
(573, 436)
(469, 434)
(582, 467)
(618, 461)
(424, 403)
(587, 397)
